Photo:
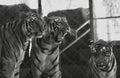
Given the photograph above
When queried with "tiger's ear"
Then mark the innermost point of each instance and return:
(48, 19)
(57, 18)
(64, 19)
(90, 42)
(111, 43)
(91, 45)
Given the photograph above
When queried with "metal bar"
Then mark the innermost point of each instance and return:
(92, 35)
(39, 7)
(87, 31)
(112, 17)
(84, 24)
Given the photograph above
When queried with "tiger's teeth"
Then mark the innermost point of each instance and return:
(102, 67)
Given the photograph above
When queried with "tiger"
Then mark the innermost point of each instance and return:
(15, 37)
(45, 55)
(102, 63)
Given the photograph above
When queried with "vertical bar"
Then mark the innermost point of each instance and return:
(39, 7)
(91, 19)
(93, 27)
(32, 4)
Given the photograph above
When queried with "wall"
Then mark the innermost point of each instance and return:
(54, 5)
(33, 4)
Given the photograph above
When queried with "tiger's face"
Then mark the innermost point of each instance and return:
(102, 53)
(57, 27)
(35, 25)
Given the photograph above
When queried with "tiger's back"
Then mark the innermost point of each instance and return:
(11, 53)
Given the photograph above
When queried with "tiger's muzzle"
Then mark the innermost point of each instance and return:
(103, 62)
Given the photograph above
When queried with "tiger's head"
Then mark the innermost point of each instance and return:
(57, 28)
(34, 25)
(102, 54)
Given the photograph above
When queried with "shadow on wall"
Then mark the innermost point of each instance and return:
(12, 12)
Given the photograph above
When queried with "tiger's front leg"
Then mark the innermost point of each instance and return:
(16, 72)
(57, 75)
(35, 70)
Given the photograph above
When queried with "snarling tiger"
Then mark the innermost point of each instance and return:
(14, 39)
(102, 62)
(45, 51)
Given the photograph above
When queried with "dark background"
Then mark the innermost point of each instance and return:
(74, 61)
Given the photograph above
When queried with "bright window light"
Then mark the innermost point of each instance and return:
(107, 29)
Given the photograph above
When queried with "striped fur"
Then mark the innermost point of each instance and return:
(45, 57)
(14, 39)
(102, 62)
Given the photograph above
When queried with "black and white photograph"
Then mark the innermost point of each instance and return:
(59, 38)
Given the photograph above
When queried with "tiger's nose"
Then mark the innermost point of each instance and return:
(102, 63)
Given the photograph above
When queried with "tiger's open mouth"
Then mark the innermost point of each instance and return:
(101, 65)
(104, 65)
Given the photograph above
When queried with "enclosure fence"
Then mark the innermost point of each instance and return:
(78, 38)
